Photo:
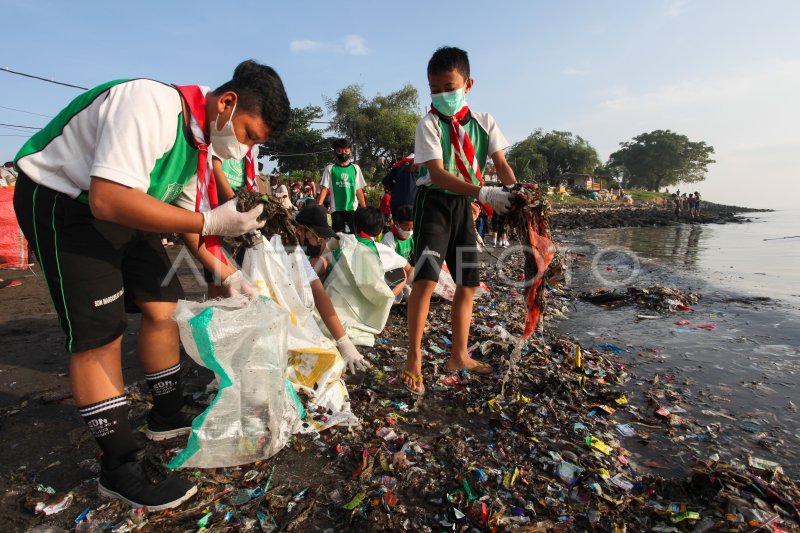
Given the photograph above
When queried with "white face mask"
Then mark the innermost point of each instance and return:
(224, 140)
(403, 233)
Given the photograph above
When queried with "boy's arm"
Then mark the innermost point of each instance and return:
(113, 202)
(207, 259)
(224, 189)
(326, 310)
(504, 170)
(360, 184)
(323, 192)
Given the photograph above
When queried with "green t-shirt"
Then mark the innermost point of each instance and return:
(343, 182)
(235, 172)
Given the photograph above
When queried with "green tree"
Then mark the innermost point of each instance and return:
(304, 148)
(661, 158)
(547, 156)
(381, 128)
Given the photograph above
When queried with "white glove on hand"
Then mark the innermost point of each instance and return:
(496, 198)
(226, 221)
(236, 285)
(352, 358)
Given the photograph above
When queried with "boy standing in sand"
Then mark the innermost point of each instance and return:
(452, 144)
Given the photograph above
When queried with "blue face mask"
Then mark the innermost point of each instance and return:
(449, 103)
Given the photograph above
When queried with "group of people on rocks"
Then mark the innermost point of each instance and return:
(689, 205)
(133, 158)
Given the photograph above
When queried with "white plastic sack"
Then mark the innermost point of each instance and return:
(359, 292)
(314, 364)
(446, 286)
(244, 343)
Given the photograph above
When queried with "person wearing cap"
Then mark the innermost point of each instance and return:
(313, 232)
(345, 182)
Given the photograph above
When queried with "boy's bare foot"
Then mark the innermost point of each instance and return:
(412, 378)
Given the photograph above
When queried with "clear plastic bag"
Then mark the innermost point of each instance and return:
(244, 342)
(315, 365)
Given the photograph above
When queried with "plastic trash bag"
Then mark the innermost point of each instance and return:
(446, 286)
(314, 364)
(358, 291)
(244, 342)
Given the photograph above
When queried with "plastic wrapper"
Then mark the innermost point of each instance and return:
(244, 342)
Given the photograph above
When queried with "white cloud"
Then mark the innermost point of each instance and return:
(356, 45)
(306, 45)
(351, 44)
(573, 71)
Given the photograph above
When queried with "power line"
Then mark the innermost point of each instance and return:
(18, 126)
(23, 111)
(12, 135)
(292, 155)
(6, 69)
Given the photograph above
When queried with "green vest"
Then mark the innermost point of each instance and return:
(404, 248)
(343, 186)
(480, 141)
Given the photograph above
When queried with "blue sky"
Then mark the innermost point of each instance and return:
(726, 72)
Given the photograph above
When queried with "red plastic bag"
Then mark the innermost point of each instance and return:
(13, 246)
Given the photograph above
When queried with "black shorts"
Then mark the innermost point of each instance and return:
(95, 270)
(340, 218)
(444, 231)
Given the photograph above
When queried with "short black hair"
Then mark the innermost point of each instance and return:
(341, 143)
(449, 58)
(404, 213)
(370, 220)
(261, 92)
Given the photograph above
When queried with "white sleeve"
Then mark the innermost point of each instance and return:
(497, 141)
(138, 122)
(390, 260)
(388, 240)
(187, 198)
(310, 273)
(326, 178)
(427, 140)
(360, 182)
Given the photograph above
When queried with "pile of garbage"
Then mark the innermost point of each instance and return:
(656, 298)
(542, 445)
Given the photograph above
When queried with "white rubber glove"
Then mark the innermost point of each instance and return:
(352, 358)
(496, 198)
(226, 221)
(236, 285)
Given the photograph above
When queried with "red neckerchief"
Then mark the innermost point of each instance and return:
(365, 236)
(462, 147)
(403, 161)
(250, 169)
(207, 198)
(396, 233)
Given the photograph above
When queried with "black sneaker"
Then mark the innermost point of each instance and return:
(167, 427)
(142, 481)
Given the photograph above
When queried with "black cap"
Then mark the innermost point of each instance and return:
(314, 217)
